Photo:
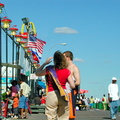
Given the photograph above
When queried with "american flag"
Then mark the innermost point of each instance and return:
(36, 43)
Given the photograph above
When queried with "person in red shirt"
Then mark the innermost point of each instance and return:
(43, 100)
(56, 106)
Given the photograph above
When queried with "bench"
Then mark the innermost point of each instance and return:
(83, 107)
(37, 109)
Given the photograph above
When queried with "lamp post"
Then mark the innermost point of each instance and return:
(1, 6)
(30, 28)
(6, 24)
(55, 46)
(13, 33)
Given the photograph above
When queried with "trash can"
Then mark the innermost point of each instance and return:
(119, 109)
(97, 105)
(94, 105)
(100, 106)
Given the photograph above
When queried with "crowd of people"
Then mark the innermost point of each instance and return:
(62, 85)
(15, 103)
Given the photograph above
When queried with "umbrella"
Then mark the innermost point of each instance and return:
(42, 84)
(81, 91)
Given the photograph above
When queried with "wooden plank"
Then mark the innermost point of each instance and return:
(39, 107)
(38, 111)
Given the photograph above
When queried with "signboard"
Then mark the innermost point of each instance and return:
(33, 77)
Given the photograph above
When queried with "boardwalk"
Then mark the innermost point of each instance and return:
(81, 115)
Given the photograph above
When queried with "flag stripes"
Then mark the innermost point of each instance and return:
(36, 45)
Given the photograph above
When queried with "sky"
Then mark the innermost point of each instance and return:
(90, 29)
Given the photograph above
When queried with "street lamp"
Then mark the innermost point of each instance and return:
(63, 44)
(56, 45)
(29, 26)
(25, 21)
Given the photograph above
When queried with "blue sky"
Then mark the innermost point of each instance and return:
(91, 29)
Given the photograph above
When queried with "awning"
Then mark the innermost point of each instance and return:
(82, 91)
(42, 84)
(11, 65)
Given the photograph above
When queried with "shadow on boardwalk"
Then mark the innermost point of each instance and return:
(81, 115)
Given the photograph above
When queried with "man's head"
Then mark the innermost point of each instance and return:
(68, 54)
(21, 80)
(114, 79)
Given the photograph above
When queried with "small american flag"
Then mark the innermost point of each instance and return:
(36, 43)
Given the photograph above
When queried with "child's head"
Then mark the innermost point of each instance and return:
(16, 95)
(14, 83)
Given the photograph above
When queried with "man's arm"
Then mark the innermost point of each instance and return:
(76, 74)
(71, 82)
(21, 92)
(109, 97)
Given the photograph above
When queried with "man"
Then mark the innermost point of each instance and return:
(91, 102)
(113, 97)
(23, 100)
(104, 101)
(76, 77)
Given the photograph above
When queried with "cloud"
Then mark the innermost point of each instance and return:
(107, 61)
(78, 60)
(65, 30)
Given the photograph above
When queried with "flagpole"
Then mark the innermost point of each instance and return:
(6, 30)
(0, 64)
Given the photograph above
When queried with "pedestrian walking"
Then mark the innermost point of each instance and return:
(104, 102)
(113, 97)
(23, 100)
(91, 102)
(56, 78)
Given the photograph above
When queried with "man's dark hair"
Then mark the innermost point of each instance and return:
(69, 54)
(21, 79)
